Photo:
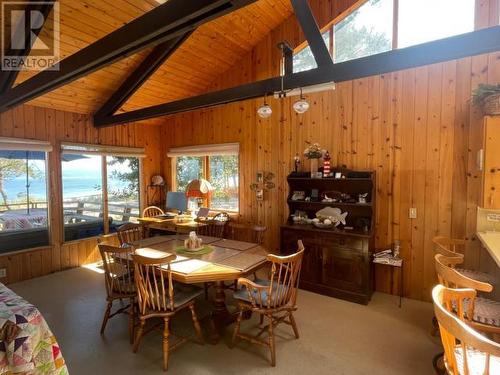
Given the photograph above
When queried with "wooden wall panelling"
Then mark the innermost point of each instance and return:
(491, 180)
(56, 127)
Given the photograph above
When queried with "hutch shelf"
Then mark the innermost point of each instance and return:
(337, 262)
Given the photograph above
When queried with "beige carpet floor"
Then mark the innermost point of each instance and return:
(337, 337)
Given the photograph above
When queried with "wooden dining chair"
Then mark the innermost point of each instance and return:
(129, 233)
(466, 351)
(152, 211)
(245, 232)
(159, 297)
(118, 278)
(275, 298)
(481, 313)
(450, 247)
(214, 227)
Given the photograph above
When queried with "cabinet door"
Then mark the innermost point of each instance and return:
(312, 262)
(344, 268)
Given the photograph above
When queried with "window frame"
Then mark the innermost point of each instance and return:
(206, 174)
(29, 145)
(104, 152)
(395, 26)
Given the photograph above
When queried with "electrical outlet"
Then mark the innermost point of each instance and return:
(413, 213)
(3, 272)
(493, 217)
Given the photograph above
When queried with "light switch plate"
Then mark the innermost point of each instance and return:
(3, 272)
(413, 213)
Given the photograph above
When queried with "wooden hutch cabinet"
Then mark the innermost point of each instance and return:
(337, 262)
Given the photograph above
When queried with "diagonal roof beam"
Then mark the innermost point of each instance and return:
(41, 12)
(312, 33)
(165, 22)
(456, 47)
(146, 69)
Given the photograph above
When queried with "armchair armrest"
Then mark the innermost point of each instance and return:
(259, 295)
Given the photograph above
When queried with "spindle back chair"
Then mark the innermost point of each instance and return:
(275, 298)
(466, 350)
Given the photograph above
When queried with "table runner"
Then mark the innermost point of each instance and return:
(27, 344)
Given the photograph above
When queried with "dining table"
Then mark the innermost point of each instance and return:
(171, 223)
(221, 261)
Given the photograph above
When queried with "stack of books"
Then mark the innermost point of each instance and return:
(386, 257)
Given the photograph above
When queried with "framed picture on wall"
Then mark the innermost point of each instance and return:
(260, 176)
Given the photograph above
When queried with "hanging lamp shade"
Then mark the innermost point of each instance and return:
(198, 188)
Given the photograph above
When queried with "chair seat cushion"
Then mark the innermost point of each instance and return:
(476, 362)
(486, 311)
(262, 300)
(183, 294)
(478, 275)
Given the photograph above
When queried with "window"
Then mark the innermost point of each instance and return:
(304, 60)
(23, 194)
(216, 163)
(366, 31)
(95, 176)
(427, 20)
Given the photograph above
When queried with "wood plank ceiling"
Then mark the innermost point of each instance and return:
(210, 51)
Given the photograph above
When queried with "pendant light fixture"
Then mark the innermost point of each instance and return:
(301, 105)
(265, 110)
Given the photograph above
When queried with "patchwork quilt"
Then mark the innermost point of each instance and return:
(27, 345)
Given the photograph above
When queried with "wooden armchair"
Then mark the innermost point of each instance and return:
(159, 297)
(449, 247)
(152, 211)
(275, 299)
(466, 351)
(481, 313)
(119, 282)
(244, 232)
(130, 232)
(215, 227)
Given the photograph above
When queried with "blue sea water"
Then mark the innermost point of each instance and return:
(72, 187)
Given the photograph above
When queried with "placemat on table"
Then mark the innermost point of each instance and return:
(242, 261)
(183, 250)
(153, 241)
(236, 245)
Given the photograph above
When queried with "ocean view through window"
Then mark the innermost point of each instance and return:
(23, 199)
(83, 194)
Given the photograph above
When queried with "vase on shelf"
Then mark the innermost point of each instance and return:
(314, 167)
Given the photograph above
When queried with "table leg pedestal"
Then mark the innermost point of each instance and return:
(221, 317)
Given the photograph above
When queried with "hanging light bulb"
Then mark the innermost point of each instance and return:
(301, 105)
(265, 110)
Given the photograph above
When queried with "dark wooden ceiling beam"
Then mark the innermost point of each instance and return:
(165, 22)
(146, 69)
(244, 92)
(8, 77)
(460, 46)
(312, 33)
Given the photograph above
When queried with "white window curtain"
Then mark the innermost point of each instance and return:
(79, 148)
(21, 144)
(205, 150)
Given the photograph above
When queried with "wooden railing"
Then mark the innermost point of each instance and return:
(78, 207)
